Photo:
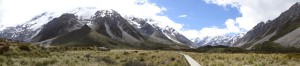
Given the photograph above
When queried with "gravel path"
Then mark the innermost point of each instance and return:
(190, 60)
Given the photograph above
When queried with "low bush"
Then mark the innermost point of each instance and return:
(25, 47)
(268, 47)
(271, 47)
(234, 50)
(135, 63)
(4, 48)
(219, 49)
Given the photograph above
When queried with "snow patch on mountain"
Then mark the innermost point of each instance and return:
(169, 37)
(86, 15)
(134, 23)
(225, 40)
(40, 20)
(169, 32)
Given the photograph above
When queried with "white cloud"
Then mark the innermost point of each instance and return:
(1, 10)
(19, 11)
(164, 21)
(182, 16)
(14, 12)
(230, 24)
(252, 11)
(255, 11)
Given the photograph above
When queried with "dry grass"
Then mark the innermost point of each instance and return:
(98, 58)
(248, 59)
(16, 54)
(148, 58)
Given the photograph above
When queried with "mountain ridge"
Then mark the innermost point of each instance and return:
(224, 40)
(272, 30)
(105, 22)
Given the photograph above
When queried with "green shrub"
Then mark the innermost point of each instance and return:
(125, 53)
(25, 47)
(234, 50)
(268, 46)
(219, 49)
(4, 49)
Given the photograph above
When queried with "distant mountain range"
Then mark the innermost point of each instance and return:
(225, 40)
(91, 27)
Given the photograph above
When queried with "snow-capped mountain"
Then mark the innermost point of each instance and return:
(58, 26)
(150, 28)
(109, 23)
(225, 40)
(283, 30)
(25, 31)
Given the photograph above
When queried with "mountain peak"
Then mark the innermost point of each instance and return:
(109, 12)
(67, 15)
(226, 40)
(65, 23)
(108, 24)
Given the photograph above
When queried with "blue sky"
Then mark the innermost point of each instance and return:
(203, 17)
(199, 14)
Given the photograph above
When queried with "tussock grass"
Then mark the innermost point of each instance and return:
(22, 54)
(96, 58)
(251, 59)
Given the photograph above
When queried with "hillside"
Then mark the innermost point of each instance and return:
(105, 28)
(274, 30)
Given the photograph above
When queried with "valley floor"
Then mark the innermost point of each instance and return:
(245, 59)
(148, 58)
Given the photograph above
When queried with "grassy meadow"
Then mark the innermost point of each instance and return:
(31, 55)
(98, 58)
(245, 59)
(23, 54)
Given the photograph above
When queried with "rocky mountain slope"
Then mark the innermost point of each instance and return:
(153, 31)
(278, 30)
(58, 26)
(106, 25)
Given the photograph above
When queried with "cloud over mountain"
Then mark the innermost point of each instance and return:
(252, 12)
(26, 9)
